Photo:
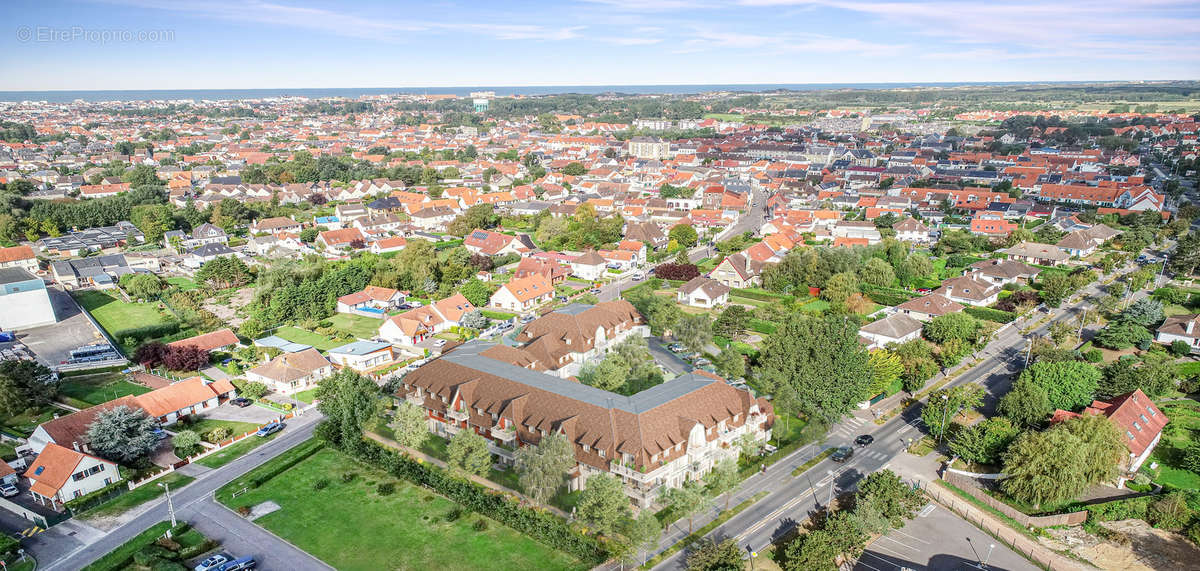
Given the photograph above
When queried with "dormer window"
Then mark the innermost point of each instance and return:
(1137, 426)
(1129, 434)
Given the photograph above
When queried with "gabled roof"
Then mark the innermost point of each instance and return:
(53, 466)
(289, 367)
(894, 326)
(208, 341)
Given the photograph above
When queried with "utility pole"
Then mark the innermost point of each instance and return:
(1029, 352)
(170, 504)
(945, 415)
(1082, 322)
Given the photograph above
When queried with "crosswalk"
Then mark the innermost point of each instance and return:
(848, 428)
(32, 531)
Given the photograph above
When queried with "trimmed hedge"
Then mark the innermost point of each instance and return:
(541, 525)
(989, 314)
(90, 500)
(886, 295)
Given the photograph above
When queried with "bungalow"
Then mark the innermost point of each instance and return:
(1002, 272)
(203, 234)
(344, 238)
(290, 373)
(275, 225)
(60, 474)
(703, 292)
(491, 243)
(1137, 419)
(1180, 328)
(19, 257)
(1038, 254)
(911, 230)
(389, 244)
(588, 266)
(207, 253)
(522, 294)
(363, 356)
(928, 307)
(184, 398)
(1083, 243)
(970, 291)
(646, 232)
(895, 328)
(213, 341)
(372, 301)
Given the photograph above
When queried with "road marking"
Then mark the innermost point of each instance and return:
(860, 562)
(775, 514)
(900, 543)
(926, 511)
(912, 537)
(878, 547)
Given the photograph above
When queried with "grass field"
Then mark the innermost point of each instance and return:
(351, 526)
(306, 396)
(115, 315)
(235, 451)
(297, 335)
(117, 558)
(185, 284)
(139, 495)
(359, 326)
(101, 389)
(1181, 432)
(24, 423)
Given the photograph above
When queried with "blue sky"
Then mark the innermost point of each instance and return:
(52, 44)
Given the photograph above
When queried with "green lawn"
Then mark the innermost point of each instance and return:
(297, 335)
(115, 315)
(204, 425)
(99, 390)
(24, 423)
(350, 526)
(185, 284)
(359, 326)
(235, 451)
(1180, 433)
(306, 396)
(816, 305)
(119, 557)
(139, 495)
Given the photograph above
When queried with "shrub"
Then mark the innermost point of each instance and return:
(1171, 512)
(244, 511)
(385, 489)
(480, 525)
(1180, 348)
(321, 484)
(219, 434)
(167, 543)
(1093, 355)
(988, 314)
(349, 477)
(454, 514)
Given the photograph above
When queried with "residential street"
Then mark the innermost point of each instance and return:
(194, 504)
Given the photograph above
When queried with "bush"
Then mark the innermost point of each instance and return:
(988, 314)
(1093, 355)
(219, 434)
(148, 331)
(385, 489)
(480, 525)
(1180, 348)
(454, 514)
(244, 511)
(321, 484)
(349, 477)
(1171, 512)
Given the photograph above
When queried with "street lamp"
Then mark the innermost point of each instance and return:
(989, 555)
(832, 481)
(170, 504)
(753, 554)
(945, 415)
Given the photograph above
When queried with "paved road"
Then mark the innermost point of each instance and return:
(665, 358)
(791, 499)
(194, 504)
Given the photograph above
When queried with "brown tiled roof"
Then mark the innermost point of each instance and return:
(712, 288)
(177, 396)
(72, 428)
(1177, 325)
(209, 341)
(1005, 268)
(292, 366)
(52, 467)
(575, 327)
(16, 253)
(529, 287)
(932, 304)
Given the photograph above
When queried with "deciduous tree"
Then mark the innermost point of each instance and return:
(602, 504)
(410, 425)
(24, 385)
(468, 453)
(542, 469)
(823, 362)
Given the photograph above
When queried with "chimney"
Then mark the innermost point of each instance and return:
(75, 445)
(1191, 324)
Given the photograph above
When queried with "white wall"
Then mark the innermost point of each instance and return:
(26, 309)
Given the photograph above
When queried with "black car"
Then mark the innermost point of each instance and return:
(864, 440)
(241, 402)
(842, 454)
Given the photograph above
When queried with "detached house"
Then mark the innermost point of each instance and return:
(549, 269)
(1039, 254)
(1180, 328)
(416, 325)
(276, 225)
(928, 307)
(60, 474)
(970, 291)
(372, 301)
(491, 243)
(341, 239)
(291, 373)
(19, 257)
(703, 292)
(588, 266)
(1137, 419)
(910, 230)
(895, 328)
(738, 271)
(522, 294)
(363, 356)
(1003, 272)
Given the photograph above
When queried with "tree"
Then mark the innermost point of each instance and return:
(730, 363)
(684, 235)
(348, 400)
(1055, 288)
(151, 354)
(123, 434)
(985, 441)
(25, 385)
(574, 168)
(732, 322)
(1146, 312)
(787, 403)
(253, 390)
(185, 358)
(681, 272)
(153, 220)
(915, 266)
(1068, 385)
(723, 479)
(476, 292)
(886, 367)
(895, 500)
(468, 453)
(956, 325)
(480, 216)
(946, 404)
(643, 532)
(141, 286)
(686, 501)
(1122, 334)
(1026, 403)
(822, 360)
(839, 288)
(877, 272)
(1155, 376)
(1103, 445)
(474, 319)
(694, 331)
(816, 550)
(609, 375)
(708, 555)
(1061, 462)
(602, 504)
(410, 426)
(224, 272)
(186, 442)
(917, 358)
(542, 469)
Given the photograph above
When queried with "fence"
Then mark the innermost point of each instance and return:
(1015, 540)
(969, 486)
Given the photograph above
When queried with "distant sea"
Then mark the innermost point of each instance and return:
(317, 93)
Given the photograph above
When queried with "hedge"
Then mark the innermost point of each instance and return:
(89, 500)
(989, 314)
(758, 294)
(285, 462)
(147, 331)
(122, 557)
(541, 525)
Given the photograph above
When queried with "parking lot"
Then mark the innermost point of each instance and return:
(53, 343)
(939, 540)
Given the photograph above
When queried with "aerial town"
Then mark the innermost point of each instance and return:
(703, 328)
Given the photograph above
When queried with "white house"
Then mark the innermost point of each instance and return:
(970, 291)
(521, 294)
(19, 257)
(292, 372)
(589, 266)
(895, 328)
(911, 230)
(1180, 328)
(60, 474)
(363, 356)
(413, 326)
(703, 292)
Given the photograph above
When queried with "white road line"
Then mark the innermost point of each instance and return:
(912, 537)
(878, 547)
(864, 564)
(875, 556)
(900, 543)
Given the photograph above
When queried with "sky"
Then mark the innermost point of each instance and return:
(244, 44)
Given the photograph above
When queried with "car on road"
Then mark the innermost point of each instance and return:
(8, 490)
(639, 277)
(241, 402)
(676, 347)
(864, 440)
(213, 562)
(239, 564)
(269, 429)
(842, 454)
(594, 290)
(527, 318)
(439, 342)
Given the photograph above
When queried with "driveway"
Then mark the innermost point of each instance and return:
(665, 358)
(226, 411)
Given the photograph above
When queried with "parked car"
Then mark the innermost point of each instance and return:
(239, 564)
(242, 402)
(439, 342)
(864, 440)
(527, 318)
(213, 562)
(269, 429)
(594, 290)
(639, 277)
(842, 454)
(562, 298)
(702, 362)
(160, 434)
(8, 490)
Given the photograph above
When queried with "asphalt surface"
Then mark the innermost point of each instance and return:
(195, 505)
(938, 540)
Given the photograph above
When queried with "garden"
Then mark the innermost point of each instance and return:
(151, 549)
(125, 321)
(82, 392)
(410, 527)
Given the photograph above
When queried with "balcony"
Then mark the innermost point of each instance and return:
(415, 399)
(506, 435)
(458, 415)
